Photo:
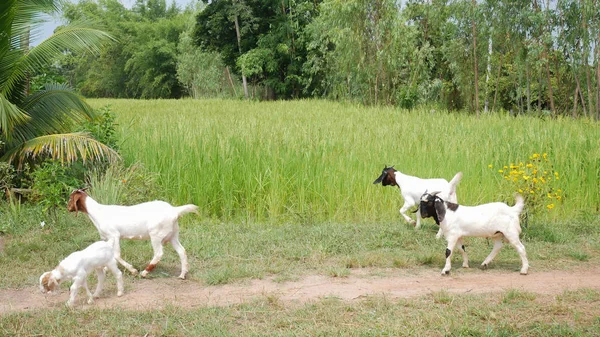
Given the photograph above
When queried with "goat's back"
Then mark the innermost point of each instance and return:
(97, 254)
(485, 219)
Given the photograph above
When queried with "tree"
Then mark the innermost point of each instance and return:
(39, 124)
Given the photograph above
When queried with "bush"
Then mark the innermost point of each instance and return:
(52, 184)
(536, 180)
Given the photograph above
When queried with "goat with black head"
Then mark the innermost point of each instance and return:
(496, 220)
(412, 188)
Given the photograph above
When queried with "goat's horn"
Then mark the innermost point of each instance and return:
(435, 193)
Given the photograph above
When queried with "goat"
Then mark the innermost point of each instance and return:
(154, 220)
(495, 220)
(76, 267)
(411, 189)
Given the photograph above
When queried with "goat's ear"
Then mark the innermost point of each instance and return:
(440, 209)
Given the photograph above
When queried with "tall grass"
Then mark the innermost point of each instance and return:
(313, 161)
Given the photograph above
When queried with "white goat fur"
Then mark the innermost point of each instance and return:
(78, 265)
(412, 188)
(155, 220)
(495, 220)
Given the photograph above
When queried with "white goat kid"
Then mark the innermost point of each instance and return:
(412, 188)
(495, 220)
(155, 220)
(77, 266)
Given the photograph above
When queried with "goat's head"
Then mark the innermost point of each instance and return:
(432, 206)
(387, 177)
(48, 282)
(77, 201)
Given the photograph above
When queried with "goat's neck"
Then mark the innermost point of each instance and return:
(93, 209)
(401, 178)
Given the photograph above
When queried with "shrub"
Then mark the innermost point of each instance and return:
(536, 180)
(52, 184)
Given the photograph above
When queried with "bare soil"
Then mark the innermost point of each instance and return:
(142, 294)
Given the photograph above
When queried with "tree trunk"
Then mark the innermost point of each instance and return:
(230, 81)
(475, 67)
(239, 41)
(498, 82)
(574, 114)
(578, 89)
(550, 93)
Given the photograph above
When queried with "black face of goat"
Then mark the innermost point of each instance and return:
(432, 206)
(387, 177)
(427, 206)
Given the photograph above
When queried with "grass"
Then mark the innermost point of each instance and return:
(285, 190)
(315, 161)
(575, 313)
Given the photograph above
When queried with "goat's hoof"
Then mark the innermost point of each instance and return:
(134, 272)
(182, 276)
(91, 301)
(445, 272)
(119, 294)
(523, 272)
(144, 274)
(484, 267)
(466, 266)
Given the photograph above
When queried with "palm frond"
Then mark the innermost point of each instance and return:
(51, 107)
(75, 37)
(67, 148)
(10, 117)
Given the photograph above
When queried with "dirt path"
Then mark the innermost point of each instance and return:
(152, 293)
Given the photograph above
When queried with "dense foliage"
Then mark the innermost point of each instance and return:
(526, 57)
(37, 121)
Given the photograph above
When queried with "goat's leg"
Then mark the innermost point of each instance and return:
(451, 244)
(461, 247)
(515, 242)
(403, 210)
(493, 253)
(182, 256)
(87, 291)
(77, 281)
(112, 265)
(101, 276)
(117, 250)
(439, 234)
(158, 253)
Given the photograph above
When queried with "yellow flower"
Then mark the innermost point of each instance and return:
(526, 177)
(531, 192)
(505, 167)
(535, 180)
(545, 155)
(536, 155)
(549, 195)
(559, 190)
(520, 190)
(551, 206)
(490, 166)
(558, 197)
(500, 171)
(124, 181)
(530, 165)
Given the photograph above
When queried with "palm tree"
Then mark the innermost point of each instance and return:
(40, 124)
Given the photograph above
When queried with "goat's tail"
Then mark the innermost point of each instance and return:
(189, 208)
(520, 203)
(452, 187)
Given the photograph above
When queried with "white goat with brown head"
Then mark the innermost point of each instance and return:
(78, 265)
(156, 221)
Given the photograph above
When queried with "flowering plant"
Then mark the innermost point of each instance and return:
(536, 180)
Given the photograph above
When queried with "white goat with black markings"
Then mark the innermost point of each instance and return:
(154, 220)
(412, 188)
(78, 265)
(495, 220)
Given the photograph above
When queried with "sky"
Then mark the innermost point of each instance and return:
(48, 28)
